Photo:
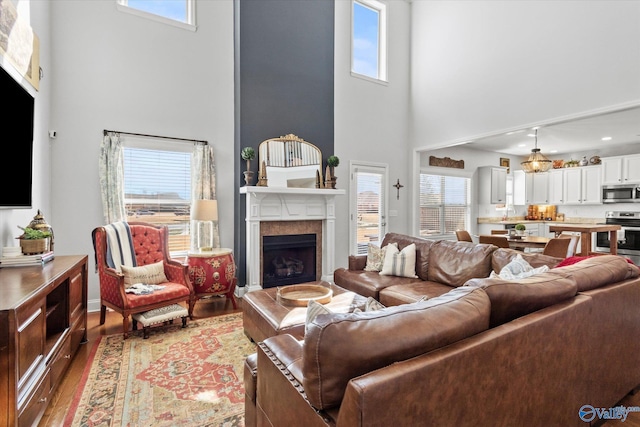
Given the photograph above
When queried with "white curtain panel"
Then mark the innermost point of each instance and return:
(203, 183)
(111, 170)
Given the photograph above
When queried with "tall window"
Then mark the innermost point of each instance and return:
(157, 187)
(175, 12)
(444, 204)
(369, 39)
(368, 210)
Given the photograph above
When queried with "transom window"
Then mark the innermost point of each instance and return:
(369, 39)
(174, 12)
(445, 204)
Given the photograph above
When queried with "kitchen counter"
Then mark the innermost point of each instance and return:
(521, 220)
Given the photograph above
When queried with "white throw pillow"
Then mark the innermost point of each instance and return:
(518, 268)
(371, 304)
(150, 274)
(375, 257)
(313, 309)
(400, 263)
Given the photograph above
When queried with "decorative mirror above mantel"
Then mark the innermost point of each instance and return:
(289, 161)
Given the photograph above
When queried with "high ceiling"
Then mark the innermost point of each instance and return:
(623, 127)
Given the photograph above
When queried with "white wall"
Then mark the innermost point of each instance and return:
(35, 13)
(371, 120)
(483, 66)
(117, 71)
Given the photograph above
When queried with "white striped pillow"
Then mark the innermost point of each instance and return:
(400, 263)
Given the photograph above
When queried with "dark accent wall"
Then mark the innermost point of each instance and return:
(284, 82)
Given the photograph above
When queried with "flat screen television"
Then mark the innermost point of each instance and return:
(17, 120)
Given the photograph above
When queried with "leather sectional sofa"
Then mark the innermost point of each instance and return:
(479, 351)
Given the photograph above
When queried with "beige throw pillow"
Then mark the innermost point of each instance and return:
(150, 274)
(400, 263)
(313, 309)
(375, 257)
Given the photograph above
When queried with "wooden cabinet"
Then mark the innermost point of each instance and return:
(43, 320)
(621, 170)
(492, 185)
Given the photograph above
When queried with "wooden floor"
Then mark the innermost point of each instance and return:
(60, 401)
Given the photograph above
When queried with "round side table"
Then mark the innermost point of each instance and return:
(213, 273)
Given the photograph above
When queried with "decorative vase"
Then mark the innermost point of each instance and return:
(520, 232)
(248, 177)
(584, 161)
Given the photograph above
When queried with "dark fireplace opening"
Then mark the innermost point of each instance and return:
(288, 259)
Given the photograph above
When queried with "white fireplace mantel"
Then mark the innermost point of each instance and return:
(288, 204)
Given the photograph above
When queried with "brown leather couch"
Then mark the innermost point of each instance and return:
(440, 266)
(488, 352)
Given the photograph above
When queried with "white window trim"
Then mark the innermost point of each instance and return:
(353, 208)
(382, 42)
(190, 25)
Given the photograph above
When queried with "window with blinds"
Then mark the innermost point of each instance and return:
(444, 204)
(157, 185)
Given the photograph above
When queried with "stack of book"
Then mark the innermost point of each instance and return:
(25, 260)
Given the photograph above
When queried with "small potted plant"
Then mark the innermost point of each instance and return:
(34, 241)
(520, 229)
(332, 163)
(248, 154)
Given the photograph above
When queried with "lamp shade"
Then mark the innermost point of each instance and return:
(204, 210)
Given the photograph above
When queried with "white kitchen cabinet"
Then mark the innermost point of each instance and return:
(530, 188)
(540, 190)
(492, 185)
(556, 186)
(621, 170)
(582, 185)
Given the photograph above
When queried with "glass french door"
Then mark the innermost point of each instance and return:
(368, 210)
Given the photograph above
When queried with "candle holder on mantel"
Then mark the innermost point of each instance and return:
(262, 175)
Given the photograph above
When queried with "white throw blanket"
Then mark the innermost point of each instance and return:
(119, 245)
(142, 289)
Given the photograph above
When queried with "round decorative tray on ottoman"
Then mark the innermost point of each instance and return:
(300, 295)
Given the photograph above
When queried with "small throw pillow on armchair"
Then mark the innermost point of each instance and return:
(150, 274)
(400, 263)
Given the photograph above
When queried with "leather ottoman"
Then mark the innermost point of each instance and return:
(264, 316)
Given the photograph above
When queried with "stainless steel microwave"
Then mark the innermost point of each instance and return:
(625, 193)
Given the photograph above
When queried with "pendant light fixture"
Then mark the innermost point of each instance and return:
(537, 161)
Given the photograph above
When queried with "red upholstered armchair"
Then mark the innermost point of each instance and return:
(150, 245)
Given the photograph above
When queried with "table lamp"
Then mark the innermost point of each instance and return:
(204, 213)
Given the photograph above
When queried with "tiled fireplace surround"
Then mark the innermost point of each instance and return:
(283, 211)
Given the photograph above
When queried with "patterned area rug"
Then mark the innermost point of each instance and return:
(176, 377)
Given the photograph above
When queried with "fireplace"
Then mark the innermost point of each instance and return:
(275, 211)
(288, 259)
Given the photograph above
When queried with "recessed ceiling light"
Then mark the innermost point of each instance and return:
(607, 138)
(553, 151)
(522, 145)
(531, 134)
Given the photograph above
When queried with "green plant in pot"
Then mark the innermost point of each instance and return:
(34, 241)
(520, 229)
(248, 154)
(332, 163)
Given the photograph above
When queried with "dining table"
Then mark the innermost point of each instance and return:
(522, 242)
(586, 230)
